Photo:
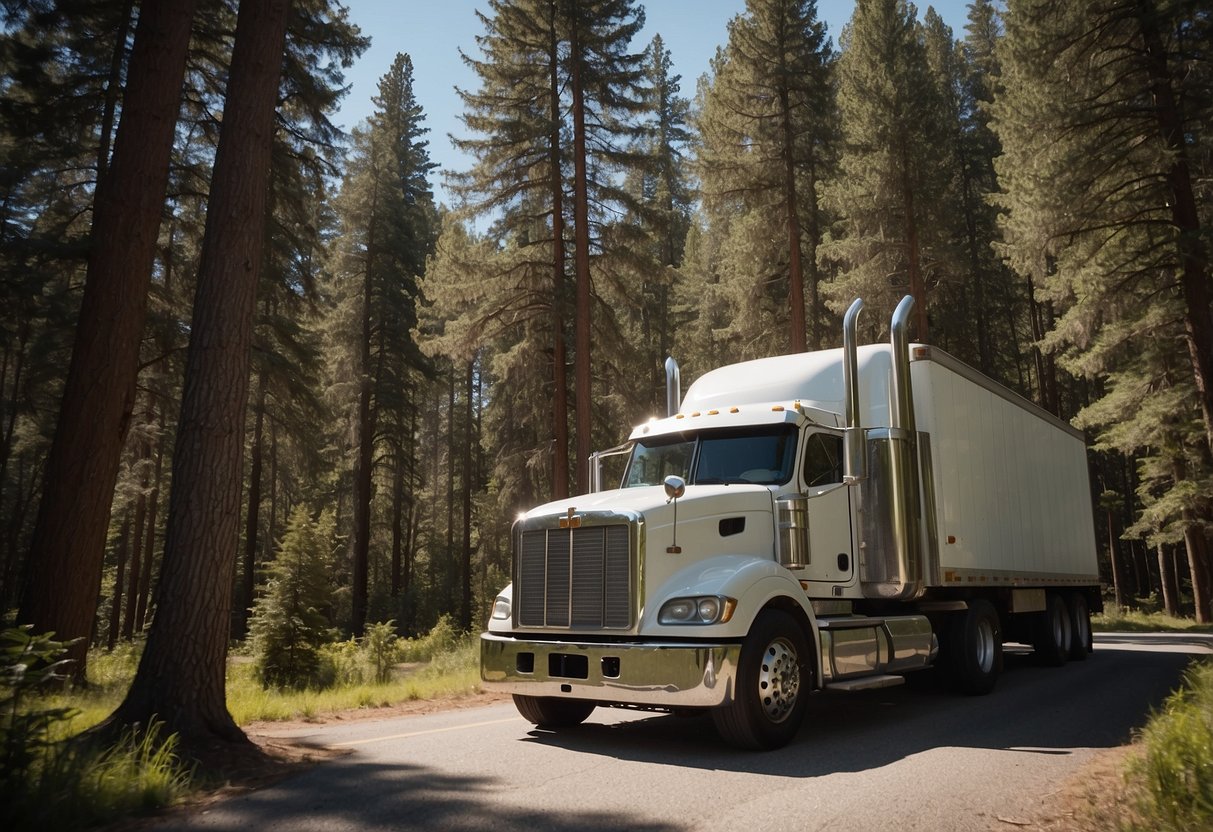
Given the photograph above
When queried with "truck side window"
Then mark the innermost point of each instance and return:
(822, 460)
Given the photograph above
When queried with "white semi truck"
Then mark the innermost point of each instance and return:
(829, 520)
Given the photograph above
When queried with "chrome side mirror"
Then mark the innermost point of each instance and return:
(675, 486)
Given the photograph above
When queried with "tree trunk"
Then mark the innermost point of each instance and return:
(1170, 586)
(113, 88)
(149, 547)
(560, 380)
(1118, 581)
(450, 486)
(124, 545)
(136, 544)
(465, 608)
(918, 285)
(248, 583)
(363, 474)
(68, 543)
(581, 241)
(797, 340)
(181, 675)
(1198, 565)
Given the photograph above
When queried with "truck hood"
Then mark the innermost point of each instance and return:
(700, 501)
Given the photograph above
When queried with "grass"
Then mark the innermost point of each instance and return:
(1173, 776)
(1132, 620)
(447, 675)
(64, 785)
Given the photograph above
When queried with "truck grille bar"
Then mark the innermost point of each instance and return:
(577, 577)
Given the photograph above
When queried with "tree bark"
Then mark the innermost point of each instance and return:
(1170, 586)
(181, 675)
(113, 88)
(582, 320)
(149, 547)
(68, 544)
(363, 474)
(918, 285)
(560, 380)
(252, 524)
(124, 545)
(136, 547)
(465, 607)
(797, 340)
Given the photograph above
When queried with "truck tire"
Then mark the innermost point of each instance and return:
(550, 712)
(774, 677)
(973, 649)
(1052, 635)
(1081, 641)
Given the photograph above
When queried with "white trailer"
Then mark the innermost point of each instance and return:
(835, 519)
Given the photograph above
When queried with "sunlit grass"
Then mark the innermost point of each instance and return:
(1173, 776)
(448, 675)
(1130, 620)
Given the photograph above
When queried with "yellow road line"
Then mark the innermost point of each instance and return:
(430, 731)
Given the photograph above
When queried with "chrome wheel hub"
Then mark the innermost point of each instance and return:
(779, 680)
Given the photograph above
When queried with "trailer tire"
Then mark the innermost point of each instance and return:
(1053, 632)
(551, 712)
(1081, 640)
(774, 677)
(973, 649)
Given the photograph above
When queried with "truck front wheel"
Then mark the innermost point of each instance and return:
(550, 712)
(774, 677)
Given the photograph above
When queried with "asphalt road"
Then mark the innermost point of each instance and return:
(899, 758)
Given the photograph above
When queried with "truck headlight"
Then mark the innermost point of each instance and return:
(501, 608)
(704, 609)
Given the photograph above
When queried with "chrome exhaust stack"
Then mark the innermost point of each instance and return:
(854, 459)
(902, 406)
(673, 387)
(891, 561)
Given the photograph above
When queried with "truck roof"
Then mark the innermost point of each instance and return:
(812, 378)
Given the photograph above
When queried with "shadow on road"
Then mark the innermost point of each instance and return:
(1092, 704)
(365, 795)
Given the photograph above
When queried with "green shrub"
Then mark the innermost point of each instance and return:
(382, 649)
(27, 663)
(342, 664)
(1175, 772)
(441, 639)
(290, 620)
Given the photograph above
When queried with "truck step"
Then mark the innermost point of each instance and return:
(866, 683)
(849, 622)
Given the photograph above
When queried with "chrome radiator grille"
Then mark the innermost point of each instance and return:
(574, 578)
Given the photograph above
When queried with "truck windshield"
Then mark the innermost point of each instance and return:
(749, 455)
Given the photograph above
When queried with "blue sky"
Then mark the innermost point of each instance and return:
(432, 33)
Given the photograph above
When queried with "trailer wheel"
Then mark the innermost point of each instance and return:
(1081, 641)
(550, 712)
(774, 676)
(973, 649)
(1053, 632)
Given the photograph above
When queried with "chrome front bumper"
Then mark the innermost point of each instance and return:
(669, 675)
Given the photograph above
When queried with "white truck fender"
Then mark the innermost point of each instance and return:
(752, 582)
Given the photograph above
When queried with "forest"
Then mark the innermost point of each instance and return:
(248, 359)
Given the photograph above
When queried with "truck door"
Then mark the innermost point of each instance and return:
(831, 556)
